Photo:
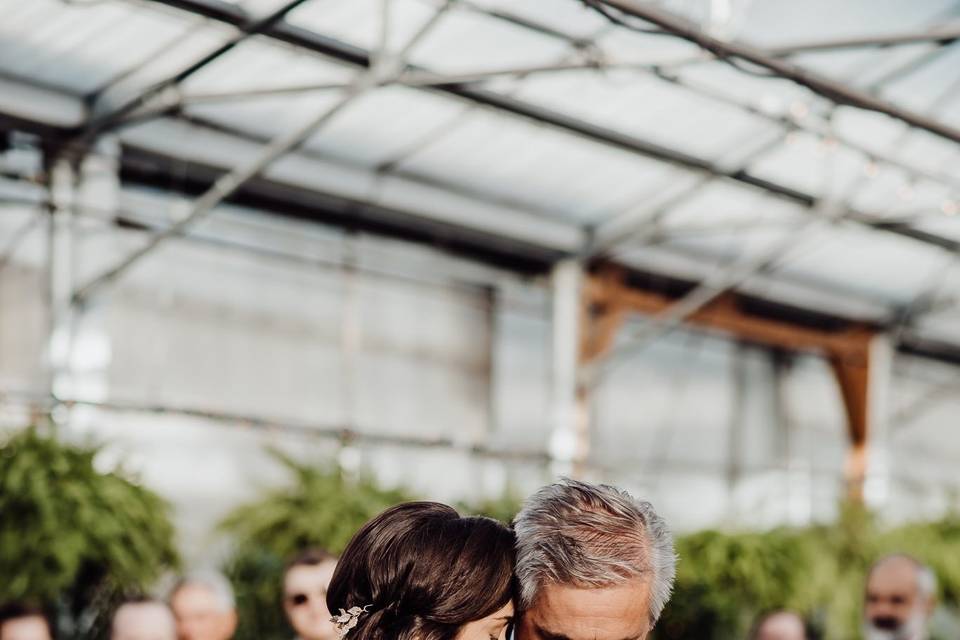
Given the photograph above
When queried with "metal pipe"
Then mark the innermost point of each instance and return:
(357, 56)
(17, 238)
(829, 88)
(280, 146)
(98, 124)
(941, 35)
(221, 189)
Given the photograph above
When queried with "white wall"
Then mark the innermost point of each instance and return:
(411, 342)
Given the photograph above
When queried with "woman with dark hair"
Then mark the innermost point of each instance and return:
(421, 571)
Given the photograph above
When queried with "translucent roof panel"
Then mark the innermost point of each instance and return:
(359, 22)
(812, 164)
(876, 264)
(931, 83)
(547, 169)
(75, 46)
(439, 153)
(362, 134)
(728, 207)
(780, 22)
(460, 43)
(573, 18)
(641, 105)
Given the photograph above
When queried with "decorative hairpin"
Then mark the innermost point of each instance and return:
(347, 620)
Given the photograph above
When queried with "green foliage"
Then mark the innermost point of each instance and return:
(72, 536)
(322, 507)
(502, 508)
(725, 580)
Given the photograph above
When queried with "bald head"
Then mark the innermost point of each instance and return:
(781, 625)
(148, 620)
(899, 599)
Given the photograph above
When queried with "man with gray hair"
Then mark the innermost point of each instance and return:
(203, 606)
(593, 563)
(899, 599)
(143, 619)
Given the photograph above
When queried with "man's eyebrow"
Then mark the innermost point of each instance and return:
(549, 635)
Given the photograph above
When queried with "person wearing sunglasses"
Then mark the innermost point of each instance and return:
(305, 584)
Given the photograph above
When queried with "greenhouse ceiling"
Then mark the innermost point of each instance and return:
(805, 155)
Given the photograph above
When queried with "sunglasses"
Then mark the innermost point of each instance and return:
(300, 599)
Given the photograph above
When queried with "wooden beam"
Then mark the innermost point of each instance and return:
(607, 298)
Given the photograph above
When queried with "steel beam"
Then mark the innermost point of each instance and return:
(833, 90)
(221, 189)
(96, 125)
(16, 239)
(279, 147)
(357, 56)
(942, 35)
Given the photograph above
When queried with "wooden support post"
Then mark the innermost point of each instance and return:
(850, 350)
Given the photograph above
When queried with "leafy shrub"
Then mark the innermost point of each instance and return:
(72, 536)
(322, 507)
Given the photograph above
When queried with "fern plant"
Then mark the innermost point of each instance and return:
(73, 537)
(321, 507)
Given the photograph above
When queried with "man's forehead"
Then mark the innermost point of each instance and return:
(619, 612)
(895, 574)
(309, 576)
(196, 595)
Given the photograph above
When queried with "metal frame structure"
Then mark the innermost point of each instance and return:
(592, 322)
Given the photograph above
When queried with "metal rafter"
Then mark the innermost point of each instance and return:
(249, 28)
(941, 34)
(280, 146)
(833, 90)
(17, 237)
(357, 56)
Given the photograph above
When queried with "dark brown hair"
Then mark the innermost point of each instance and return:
(423, 571)
(17, 610)
(309, 558)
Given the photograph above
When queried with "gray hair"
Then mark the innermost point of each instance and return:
(589, 535)
(926, 577)
(213, 582)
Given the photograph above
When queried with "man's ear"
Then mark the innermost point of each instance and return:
(931, 605)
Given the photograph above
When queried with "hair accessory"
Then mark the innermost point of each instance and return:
(347, 620)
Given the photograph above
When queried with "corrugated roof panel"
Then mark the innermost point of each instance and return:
(723, 205)
(547, 169)
(465, 41)
(78, 47)
(779, 22)
(892, 194)
(386, 125)
(878, 264)
(262, 64)
(572, 18)
(359, 22)
(812, 164)
(644, 106)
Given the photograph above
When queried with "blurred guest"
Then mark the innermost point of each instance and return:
(19, 621)
(204, 608)
(780, 625)
(305, 585)
(899, 599)
(143, 619)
